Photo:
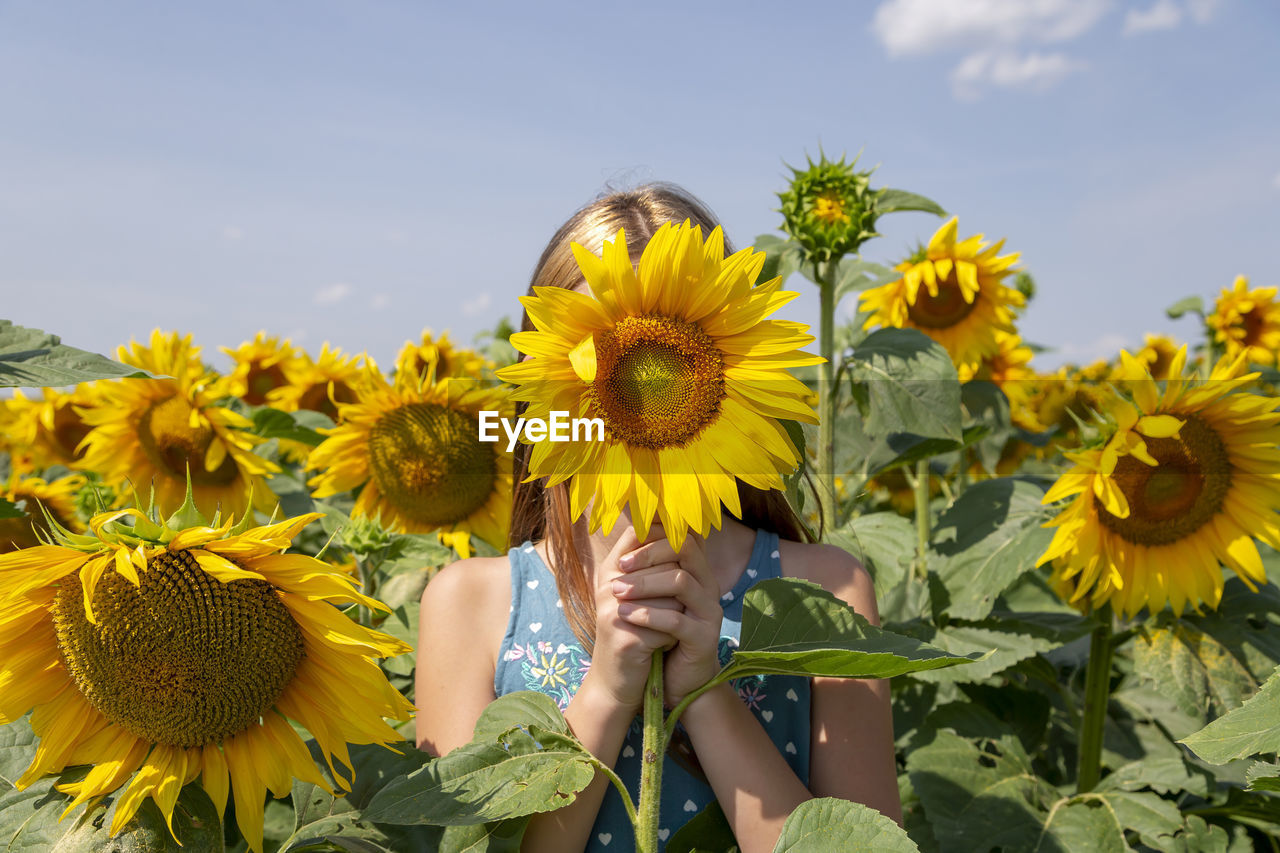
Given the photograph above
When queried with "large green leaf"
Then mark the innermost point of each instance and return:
(829, 825)
(1247, 623)
(321, 818)
(706, 832)
(1251, 729)
(793, 627)
(782, 256)
(1264, 776)
(890, 200)
(273, 423)
(1191, 667)
(17, 749)
(507, 771)
(988, 538)
(998, 646)
(30, 358)
(907, 384)
(885, 542)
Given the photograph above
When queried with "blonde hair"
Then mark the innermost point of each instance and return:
(538, 512)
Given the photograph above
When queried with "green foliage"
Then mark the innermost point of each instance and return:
(706, 832)
(1189, 304)
(8, 509)
(30, 358)
(1251, 729)
(904, 382)
(1191, 667)
(294, 426)
(827, 825)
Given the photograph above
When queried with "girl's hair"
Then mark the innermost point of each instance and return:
(538, 512)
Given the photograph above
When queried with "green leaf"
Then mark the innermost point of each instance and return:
(891, 200)
(1191, 667)
(514, 767)
(30, 358)
(273, 423)
(793, 627)
(8, 509)
(854, 274)
(321, 818)
(988, 538)
(782, 257)
(1247, 623)
(1164, 775)
(1200, 836)
(884, 542)
(1264, 776)
(1000, 646)
(1193, 304)
(706, 832)
(909, 384)
(17, 750)
(829, 825)
(1251, 729)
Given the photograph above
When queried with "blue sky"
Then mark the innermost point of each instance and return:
(355, 171)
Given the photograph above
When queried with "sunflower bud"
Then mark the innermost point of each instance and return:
(830, 208)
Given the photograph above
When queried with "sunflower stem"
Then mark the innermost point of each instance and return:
(923, 520)
(653, 751)
(824, 276)
(1097, 695)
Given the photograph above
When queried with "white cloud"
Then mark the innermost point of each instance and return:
(479, 305)
(332, 294)
(1008, 70)
(380, 301)
(1202, 11)
(1164, 15)
(908, 27)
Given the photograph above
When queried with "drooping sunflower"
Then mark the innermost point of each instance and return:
(676, 359)
(164, 652)
(1187, 480)
(1248, 321)
(440, 353)
(320, 385)
(952, 292)
(38, 496)
(153, 433)
(414, 450)
(259, 368)
(48, 431)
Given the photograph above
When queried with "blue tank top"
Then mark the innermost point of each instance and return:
(540, 652)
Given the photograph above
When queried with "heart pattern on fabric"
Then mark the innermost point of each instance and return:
(690, 806)
(605, 837)
(531, 584)
(535, 627)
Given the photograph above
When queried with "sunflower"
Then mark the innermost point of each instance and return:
(58, 498)
(320, 385)
(153, 433)
(829, 208)
(163, 652)
(448, 360)
(678, 362)
(1185, 482)
(1248, 321)
(48, 431)
(414, 450)
(951, 291)
(259, 368)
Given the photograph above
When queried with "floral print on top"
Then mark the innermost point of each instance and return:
(541, 653)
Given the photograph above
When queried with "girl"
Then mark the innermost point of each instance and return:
(577, 616)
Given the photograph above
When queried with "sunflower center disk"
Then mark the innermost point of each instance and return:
(944, 310)
(261, 380)
(658, 382)
(1172, 500)
(1254, 324)
(316, 398)
(182, 660)
(68, 431)
(427, 460)
(175, 447)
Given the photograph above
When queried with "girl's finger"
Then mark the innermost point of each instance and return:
(674, 623)
(673, 581)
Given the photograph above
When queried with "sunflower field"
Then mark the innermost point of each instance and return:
(211, 562)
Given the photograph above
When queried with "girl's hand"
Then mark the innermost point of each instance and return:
(655, 570)
(624, 646)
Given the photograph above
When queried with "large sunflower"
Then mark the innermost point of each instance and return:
(951, 291)
(38, 496)
(677, 360)
(414, 451)
(1247, 321)
(1188, 478)
(159, 654)
(154, 433)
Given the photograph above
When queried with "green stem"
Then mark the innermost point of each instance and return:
(825, 278)
(622, 789)
(923, 521)
(1097, 694)
(653, 751)
(364, 613)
